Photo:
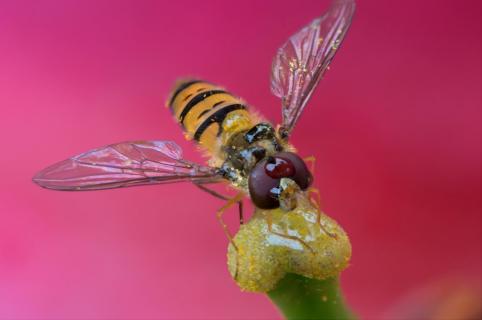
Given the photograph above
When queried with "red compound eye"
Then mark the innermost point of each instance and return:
(278, 168)
(265, 177)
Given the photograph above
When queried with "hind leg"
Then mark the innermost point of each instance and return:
(219, 215)
(222, 197)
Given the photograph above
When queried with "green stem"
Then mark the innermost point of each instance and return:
(299, 297)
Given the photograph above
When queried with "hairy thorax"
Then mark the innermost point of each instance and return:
(246, 148)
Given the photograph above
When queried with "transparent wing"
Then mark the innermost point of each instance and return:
(301, 62)
(123, 165)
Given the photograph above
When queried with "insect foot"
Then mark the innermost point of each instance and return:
(303, 241)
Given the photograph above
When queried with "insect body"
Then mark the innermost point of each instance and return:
(236, 140)
(246, 151)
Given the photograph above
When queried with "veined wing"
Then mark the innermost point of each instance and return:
(301, 62)
(123, 165)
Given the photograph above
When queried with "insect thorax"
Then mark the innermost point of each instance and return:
(246, 148)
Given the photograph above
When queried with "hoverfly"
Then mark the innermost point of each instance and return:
(248, 152)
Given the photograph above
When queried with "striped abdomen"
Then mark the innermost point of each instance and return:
(208, 114)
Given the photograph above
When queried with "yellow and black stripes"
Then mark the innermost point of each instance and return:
(198, 98)
(207, 113)
(217, 117)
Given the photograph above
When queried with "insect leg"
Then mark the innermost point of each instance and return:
(219, 215)
(311, 160)
(269, 220)
(317, 203)
(222, 197)
(211, 191)
(316, 200)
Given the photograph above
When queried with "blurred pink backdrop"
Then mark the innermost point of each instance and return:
(395, 127)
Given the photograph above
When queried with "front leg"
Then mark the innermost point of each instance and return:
(312, 161)
(269, 222)
(317, 203)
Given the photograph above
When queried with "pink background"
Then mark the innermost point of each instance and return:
(395, 127)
